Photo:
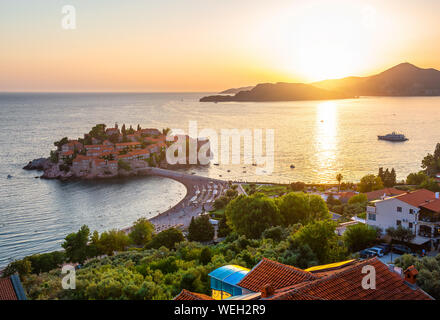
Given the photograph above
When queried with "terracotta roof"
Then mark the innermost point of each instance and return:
(7, 291)
(274, 273)
(417, 198)
(188, 295)
(390, 192)
(67, 153)
(127, 144)
(433, 205)
(346, 284)
(81, 157)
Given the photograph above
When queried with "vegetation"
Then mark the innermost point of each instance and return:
(400, 233)
(370, 183)
(359, 236)
(429, 272)
(124, 165)
(388, 177)
(141, 232)
(200, 229)
(250, 216)
(302, 208)
(167, 238)
(339, 178)
(75, 245)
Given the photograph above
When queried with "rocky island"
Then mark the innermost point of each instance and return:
(108, 153)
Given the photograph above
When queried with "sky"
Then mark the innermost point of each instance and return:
(206, 45)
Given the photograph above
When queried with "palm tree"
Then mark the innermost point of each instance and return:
(339, 177)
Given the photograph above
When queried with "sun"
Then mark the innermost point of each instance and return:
(323, 41)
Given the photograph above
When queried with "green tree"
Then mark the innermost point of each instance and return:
(299, 207)
(339, 178)
(141, 232)
(400, 233)
(60, 143)
(22, 267)
(358, 198)
(205, 255)
(251, 215)
(167, 238)
(359, 236)
(75, 245)
(431, 184)
(416, 178)
(320, 236)
(200, 229)
(223, 227)
(113, 240)
(370, 183)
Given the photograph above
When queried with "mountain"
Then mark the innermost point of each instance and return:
(236, 90)
(280, 91)
(404, 79)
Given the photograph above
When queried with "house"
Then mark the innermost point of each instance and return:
(66, 154)
(418, 211)
(72, 145)
(382, 193)
(112, 131)
(11, 288)
(81, 163)
(140, 154)
(149, 131)
(345, 196)
(271, 280)
(130, 145)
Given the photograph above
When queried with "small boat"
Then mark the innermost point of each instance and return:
(394, 136)
(229, 170)
(216, 164)
(9, 176)
(292, 166)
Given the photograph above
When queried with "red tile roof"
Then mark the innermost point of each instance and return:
(346, 284)
(417, 198)
(433, 205)
(7, 291)
(188, 295)
(389, 192)
(276, 274)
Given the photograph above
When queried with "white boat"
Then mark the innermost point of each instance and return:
(394, 136)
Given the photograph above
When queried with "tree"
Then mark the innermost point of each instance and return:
(60, 143)
(141, 232)
(388, 177)
(205, 255)
(430, 184)
(416, 178)
(320, 236)
(138, 128)
(400, 233)
(223, 227)
(339, 178)
(113, 240)
(200, 229)
(359, 236)
(297, 186)
(353, 209)
(358, 198)
(75, 245)
(301, 207)
(251, 215)
(167, 238)
(370, 183)
(22, 267)
(431, 163)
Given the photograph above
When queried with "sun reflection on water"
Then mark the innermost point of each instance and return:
(326, 139)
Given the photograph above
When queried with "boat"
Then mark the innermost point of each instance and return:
(394, 136)
(292, 166)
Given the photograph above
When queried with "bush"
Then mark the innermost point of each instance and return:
(359, 236)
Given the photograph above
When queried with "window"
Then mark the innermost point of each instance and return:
(372, 216)
(410, 225)
(411, 211)
(399, 209)
(398, 222)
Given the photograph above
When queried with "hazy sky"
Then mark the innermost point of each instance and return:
(206, 45)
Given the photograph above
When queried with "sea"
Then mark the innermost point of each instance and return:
(313, 141)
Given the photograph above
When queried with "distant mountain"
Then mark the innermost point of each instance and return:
(279, 92)
(236, 90)
(404, 79)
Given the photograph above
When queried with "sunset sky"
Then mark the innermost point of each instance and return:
(206, 45)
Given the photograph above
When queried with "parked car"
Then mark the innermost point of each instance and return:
(378, 250)
(385, 247)
(366, 253)
(402, 249)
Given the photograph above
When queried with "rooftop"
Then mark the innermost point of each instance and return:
(389, 192)
(188, 295)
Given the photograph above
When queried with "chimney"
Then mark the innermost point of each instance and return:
(267, 291)
(410, 276)
(437, 195)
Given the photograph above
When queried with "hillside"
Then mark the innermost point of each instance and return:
(280, 92)
(404, 79)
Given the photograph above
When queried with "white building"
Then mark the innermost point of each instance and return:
(418, 211)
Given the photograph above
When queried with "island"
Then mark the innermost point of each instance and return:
(108, 153)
